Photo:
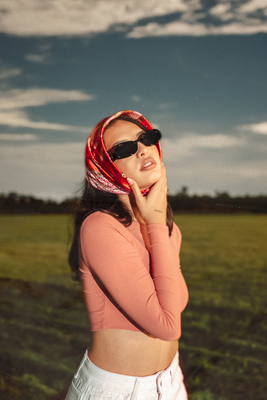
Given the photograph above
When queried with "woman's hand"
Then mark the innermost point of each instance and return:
(152, 208)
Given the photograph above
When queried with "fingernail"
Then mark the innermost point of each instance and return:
(130, 181)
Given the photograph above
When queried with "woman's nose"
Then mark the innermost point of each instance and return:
(141, 150)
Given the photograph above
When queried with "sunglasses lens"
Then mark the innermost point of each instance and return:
(125, 150)
(150, 138)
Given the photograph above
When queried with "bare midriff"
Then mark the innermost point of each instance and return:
(131, 353)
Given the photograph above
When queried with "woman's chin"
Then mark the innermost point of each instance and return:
(150, 180)
(147, 186)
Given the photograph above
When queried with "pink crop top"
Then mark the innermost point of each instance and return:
(125, 287)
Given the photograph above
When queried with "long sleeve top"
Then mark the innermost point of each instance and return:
(125, 285)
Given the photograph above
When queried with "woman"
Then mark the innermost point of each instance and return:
(126, 248)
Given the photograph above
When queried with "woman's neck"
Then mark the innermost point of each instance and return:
(125, 199)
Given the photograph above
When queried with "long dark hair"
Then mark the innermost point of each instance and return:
(93, 200)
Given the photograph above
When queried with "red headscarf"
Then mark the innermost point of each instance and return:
(101, 171)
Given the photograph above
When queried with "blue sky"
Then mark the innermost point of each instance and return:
(196, 69)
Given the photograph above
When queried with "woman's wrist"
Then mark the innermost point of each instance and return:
(157, 216)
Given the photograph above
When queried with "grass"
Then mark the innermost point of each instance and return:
(44, 327)
(224, 346)
(35, 248)
(227, 254)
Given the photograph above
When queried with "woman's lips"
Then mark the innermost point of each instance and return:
(148, 164)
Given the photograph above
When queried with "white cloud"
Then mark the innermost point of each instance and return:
(219, 162)
(18, 118)
(136, 99)
(252, 6)
(191, 24)
(32, 97)
(13, 102)
(64, 17)
(44, 156)
(181, 28)
(37, 58)
(191, 142)
(205, 175)
(6, 73)
(260, 128)
(178, 28)
(85, 17)
(220, 9)
(42, 55)
(241, 28)
(18, 137)
(213, 141)
(44, 169)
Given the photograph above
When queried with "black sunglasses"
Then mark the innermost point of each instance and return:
(127, 149)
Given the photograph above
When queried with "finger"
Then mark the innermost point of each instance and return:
(135, 189)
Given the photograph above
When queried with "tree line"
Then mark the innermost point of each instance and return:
(221, 202)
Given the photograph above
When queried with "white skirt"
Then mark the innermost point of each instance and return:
(93, 383)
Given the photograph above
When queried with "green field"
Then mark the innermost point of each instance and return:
(44, 325)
